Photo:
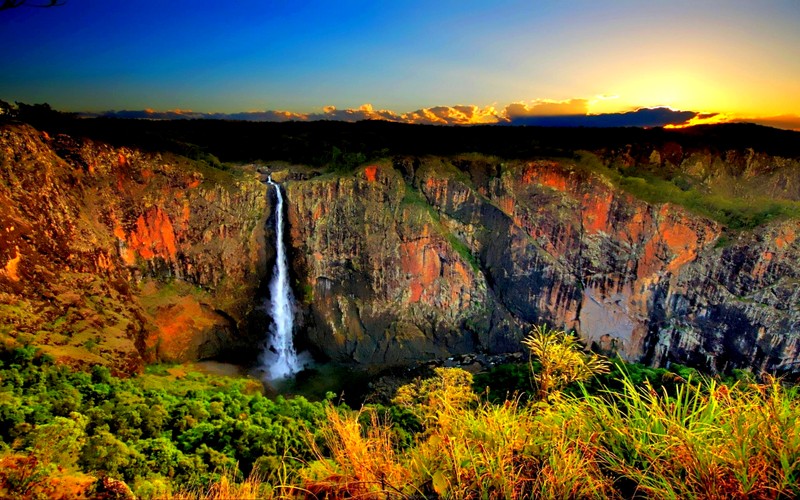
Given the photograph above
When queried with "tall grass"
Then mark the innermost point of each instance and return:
(706, 441)
(356, 461)
(466, 450)
(703, 440)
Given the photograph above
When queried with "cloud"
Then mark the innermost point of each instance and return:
(184, 114)
(786, 122)
(644, 117)
(260, 116)
(575, 113)
(365, 112)
(149, 114)
(438, 115)
(453, 115)
(539, 112)
(702, 119)
(544, 107)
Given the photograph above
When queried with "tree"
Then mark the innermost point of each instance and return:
(434, 400)
(7, 109)
(60, 441)
(562, 358)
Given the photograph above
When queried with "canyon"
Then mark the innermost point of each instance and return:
(122, 256)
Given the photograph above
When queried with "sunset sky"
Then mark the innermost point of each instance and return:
(407, 59)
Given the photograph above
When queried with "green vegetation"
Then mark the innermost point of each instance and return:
(627, 432)
(308, 293)
(679, 438)
(463, 250)
(343, 162)
(212, 170)
(704, 441)
(199, 154)
(412, 197)
(733, 211)
(165, 430)
(561, 361)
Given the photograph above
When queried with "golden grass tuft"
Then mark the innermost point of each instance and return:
(704, 441)
(360, 462)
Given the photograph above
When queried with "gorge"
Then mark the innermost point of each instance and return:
(120, 254)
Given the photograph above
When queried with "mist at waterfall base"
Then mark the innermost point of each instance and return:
(279, 360)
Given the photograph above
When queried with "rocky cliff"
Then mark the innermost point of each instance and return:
(113, 255)
(424, 257)
(110, 255)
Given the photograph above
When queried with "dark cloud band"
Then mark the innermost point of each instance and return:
(645, 117)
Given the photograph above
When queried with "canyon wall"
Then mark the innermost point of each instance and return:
(424, 257)
(115, 256)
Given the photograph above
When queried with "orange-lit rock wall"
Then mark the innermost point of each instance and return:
(385, 284)
(83, 223)
(116, 256)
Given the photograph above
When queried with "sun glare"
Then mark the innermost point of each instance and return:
(677, 90)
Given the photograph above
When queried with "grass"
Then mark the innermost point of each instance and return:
(704, 440)
(308, 293)
(352, 462)
(690, 438)
(183, 378)
(708, 441)
(735, 212)
(462, 250)
(414, 198)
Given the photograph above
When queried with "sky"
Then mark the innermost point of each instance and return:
(435, 61)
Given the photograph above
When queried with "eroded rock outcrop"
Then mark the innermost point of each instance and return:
(86, 225)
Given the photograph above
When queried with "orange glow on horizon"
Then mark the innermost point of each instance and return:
(704, 119)
(519, 110)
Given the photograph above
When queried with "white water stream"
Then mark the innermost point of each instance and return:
(279, 359)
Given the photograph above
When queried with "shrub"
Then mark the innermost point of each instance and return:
(562, 360)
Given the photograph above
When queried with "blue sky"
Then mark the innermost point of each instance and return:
(740, 58)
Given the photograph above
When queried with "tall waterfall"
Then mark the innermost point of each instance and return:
(280, 359)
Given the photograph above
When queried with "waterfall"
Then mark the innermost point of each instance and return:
(280, 359)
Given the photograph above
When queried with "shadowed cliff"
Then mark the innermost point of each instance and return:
(425, 257)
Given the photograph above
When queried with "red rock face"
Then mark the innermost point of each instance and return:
(110, 255)
(182, 329)
(551, 243)
(83, 223)
(153, 236)
(420, 261)
(370, 173)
